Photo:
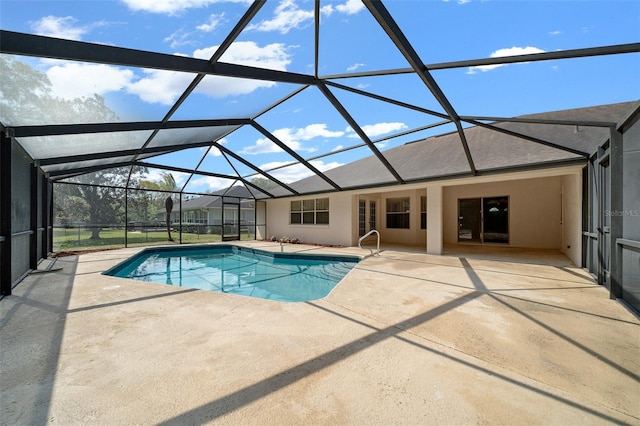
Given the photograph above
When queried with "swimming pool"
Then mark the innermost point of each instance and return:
(287, 277)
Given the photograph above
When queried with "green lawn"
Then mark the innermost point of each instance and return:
(78, 239)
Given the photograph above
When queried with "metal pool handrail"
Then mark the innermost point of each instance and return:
(365, 236)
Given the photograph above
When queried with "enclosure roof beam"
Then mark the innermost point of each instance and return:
(294, 154)
(253, 167)
(616, 49)
(158, 150)
(83, 128)
(472, 119)
(48, 47)
(61, 174)
(246, 18)
(386, 21)
(202, 173)
(356, 128)
(530, 138)
(388, 100)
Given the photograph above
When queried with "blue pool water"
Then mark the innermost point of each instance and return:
(285, 277)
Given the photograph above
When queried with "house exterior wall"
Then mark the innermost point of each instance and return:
(414, 236)
(571, 217)
(337, 232)
(261, 220)
(545, 211)
(534, 210)
(435, 214)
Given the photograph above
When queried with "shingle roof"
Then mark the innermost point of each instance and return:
(235, 193)
(443, 155)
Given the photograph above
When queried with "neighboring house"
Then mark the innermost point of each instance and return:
(524, 194)
(232, 207)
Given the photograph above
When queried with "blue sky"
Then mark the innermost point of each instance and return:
(281, 37)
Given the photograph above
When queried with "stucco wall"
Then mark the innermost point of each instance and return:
(534, 210)
(338, 232)
(261, 220)
(413, 236)
(572, 217)
(538, 206)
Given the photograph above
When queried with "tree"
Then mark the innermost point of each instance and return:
(26, 97)
(264, 183)
(157, 192)
(96, 198)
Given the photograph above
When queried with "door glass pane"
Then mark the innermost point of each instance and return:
(362, 204)
(372, 215)
(469, 219)
(496, 219)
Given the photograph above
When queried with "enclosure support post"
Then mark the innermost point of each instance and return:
(616, 192)
(126, 215)
(50, 217)
(44, 209)
(33, 224)
(180, 218)
(5, 215)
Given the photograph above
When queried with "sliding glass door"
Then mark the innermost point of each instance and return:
(495, 215)
(469, 220)
(483, 220)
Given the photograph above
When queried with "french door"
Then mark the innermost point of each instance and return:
(367, 211)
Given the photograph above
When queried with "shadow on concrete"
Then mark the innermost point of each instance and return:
(236, 400)
(31, 335)
(29, 359)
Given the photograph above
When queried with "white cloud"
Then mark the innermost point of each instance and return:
(59, 27)
(172, 7)
(377, 129)
(262, 146)
(354, 67)
(73, 80)
(272, 56)
(162, 87)
(287, 16)
(215, 152)
(213, 22)
(297, 171)
(178, 38)
(314, 131)
(500, 53)
(350, 7)
(209, 183)
(555, 33)
(291, 137)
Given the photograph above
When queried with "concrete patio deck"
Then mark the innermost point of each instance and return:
(506, 337)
